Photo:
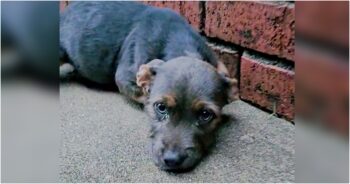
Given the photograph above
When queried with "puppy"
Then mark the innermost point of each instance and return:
(186, 96)
(155, 58)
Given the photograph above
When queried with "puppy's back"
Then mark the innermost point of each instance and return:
(92, 33)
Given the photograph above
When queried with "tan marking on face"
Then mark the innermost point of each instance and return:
(169, 100)
(198, 105)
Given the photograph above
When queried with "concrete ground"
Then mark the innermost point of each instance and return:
(105, 139)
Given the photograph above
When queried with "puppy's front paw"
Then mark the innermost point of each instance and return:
(136, 93)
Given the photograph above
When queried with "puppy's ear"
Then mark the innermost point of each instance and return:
(146, 73)
(221, 69)
(232, 91)
(231, 83)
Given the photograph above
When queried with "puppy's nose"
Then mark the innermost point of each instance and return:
(173, 158)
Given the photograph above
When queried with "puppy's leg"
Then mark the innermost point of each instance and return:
(139, 48)
(132, 56)
(126, 82)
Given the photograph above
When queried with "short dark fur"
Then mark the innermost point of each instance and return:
(107, 42)
(181, 131)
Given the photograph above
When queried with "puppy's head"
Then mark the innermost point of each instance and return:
(186, 96)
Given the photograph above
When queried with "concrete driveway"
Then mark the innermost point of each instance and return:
(105, 139)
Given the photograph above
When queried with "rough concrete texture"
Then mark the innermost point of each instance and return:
(105, 139)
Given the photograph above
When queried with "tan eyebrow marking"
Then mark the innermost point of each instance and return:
(199, 104)
(169, 100)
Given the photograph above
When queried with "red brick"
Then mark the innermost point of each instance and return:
(288, 34)
(323, 89)
(264, 85)
(175, 5)
(262, 26)
(327, 21)
(229, 57)
(191, 10)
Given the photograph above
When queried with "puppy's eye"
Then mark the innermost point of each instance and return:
(160, 108)
(205, 115)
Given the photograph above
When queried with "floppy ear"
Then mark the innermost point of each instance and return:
(146, 73)
(232, 83)
(232, 92)
(221, 68)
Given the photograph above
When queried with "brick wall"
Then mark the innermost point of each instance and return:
(256, 42)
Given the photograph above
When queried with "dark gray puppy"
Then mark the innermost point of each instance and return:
(156, 58)
(108, 41)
